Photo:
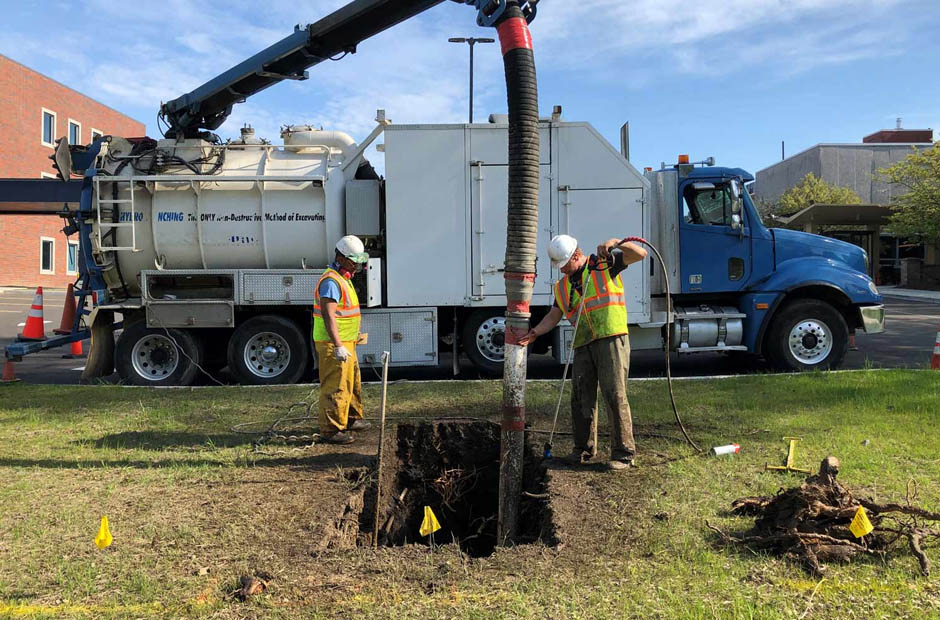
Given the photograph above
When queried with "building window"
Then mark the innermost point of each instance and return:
(95, 134)
(48, 128)
(46, 255)
(75, 132)
(71, 261)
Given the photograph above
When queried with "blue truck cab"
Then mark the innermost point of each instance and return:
(738, 285)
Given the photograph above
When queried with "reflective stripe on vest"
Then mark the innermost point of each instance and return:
(347, 310)
(605, 310)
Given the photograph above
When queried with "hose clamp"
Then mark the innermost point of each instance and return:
(490, 11)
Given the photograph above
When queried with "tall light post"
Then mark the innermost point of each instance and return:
(471, 41)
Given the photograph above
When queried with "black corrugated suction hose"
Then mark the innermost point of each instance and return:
(522, 233)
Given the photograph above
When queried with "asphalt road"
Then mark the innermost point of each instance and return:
(908, 342)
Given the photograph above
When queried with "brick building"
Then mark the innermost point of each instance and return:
(34, 111)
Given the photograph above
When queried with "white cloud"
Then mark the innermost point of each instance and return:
(711, 34)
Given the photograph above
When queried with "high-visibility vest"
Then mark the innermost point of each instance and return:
(605, 310)
(348, 317)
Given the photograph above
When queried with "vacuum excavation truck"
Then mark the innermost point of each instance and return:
(197, 253)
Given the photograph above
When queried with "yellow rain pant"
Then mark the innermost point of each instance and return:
(340, 388)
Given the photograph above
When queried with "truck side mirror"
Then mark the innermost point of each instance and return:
(737, 204)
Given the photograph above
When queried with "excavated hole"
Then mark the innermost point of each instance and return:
(453, 467)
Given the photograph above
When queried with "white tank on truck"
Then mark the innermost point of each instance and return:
(245, 205)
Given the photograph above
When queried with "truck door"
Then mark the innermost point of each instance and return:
(715, 250)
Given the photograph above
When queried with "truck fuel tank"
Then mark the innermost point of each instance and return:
(708, 328)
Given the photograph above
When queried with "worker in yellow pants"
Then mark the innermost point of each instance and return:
(340, 390)
(336, 323)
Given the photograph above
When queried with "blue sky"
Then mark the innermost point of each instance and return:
(728, 78)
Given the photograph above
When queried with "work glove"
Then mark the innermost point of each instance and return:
(340, 353)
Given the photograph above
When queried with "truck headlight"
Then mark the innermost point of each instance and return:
(872, 287)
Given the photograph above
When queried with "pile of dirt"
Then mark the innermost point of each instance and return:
(452, 466)
(811, 523)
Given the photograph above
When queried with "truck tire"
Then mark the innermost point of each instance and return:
(268, 350)
(484, 340)
(157, 357)
(807, 334)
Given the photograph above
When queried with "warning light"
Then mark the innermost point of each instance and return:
(683, 159)
(648, 169)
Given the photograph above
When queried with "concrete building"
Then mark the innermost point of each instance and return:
(34, 111)
(855, 166)
(852, 165)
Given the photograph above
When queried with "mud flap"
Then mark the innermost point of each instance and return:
(100, 362)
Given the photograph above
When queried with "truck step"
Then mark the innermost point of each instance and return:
(710, 349)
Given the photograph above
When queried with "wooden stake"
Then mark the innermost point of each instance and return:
(378, 469)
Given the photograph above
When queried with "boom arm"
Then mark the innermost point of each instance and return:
(208, 106)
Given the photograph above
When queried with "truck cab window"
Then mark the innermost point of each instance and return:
(710, 206)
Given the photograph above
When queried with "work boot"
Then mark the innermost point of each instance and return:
(359, 425)
(621, 464)
(341, 438)
(577, 457)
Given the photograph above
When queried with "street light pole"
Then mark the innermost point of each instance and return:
(471, 41)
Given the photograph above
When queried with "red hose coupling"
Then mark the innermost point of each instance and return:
(514, 34)
(512, 335)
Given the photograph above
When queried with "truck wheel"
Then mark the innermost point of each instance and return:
(807, 334)
(148, 356)
(267, 350)
(484, 340)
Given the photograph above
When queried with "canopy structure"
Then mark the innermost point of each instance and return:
(837, 215)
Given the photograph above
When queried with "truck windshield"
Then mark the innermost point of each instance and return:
(749, 198)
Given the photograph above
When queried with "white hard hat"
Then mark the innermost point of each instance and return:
(352, 248)
(561, 248)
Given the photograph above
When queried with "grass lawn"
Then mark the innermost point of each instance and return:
(193, 506)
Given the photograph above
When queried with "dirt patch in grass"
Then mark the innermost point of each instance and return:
(451, 466)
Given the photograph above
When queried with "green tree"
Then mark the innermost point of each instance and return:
(813, 190)
(917, 210)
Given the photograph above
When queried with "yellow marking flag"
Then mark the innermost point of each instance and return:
(104, 538)
(860, 525)
(430, 523)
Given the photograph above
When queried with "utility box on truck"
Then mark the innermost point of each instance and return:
(445, 197)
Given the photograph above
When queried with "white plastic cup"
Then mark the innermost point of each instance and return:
(731, 448)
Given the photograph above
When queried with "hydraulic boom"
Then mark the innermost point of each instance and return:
(334, 36)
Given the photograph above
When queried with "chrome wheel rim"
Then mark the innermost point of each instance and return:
(267, 354)
(491, 338)
(155, 357)
(810, 341)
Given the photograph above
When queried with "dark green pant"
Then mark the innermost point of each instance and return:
(604, 362)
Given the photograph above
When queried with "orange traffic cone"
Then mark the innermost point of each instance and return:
(34, 330)
(9, 374)
(74, 351)
(68, 313)
(935, 360)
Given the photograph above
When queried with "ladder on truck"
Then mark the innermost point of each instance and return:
(102, 204)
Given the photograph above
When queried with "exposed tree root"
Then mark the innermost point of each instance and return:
(810, 523)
